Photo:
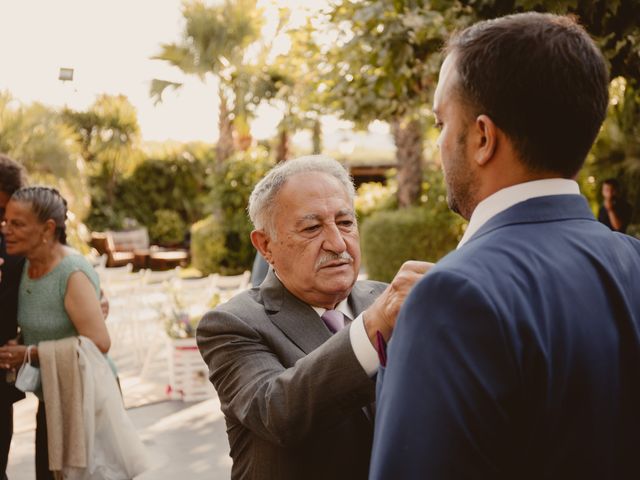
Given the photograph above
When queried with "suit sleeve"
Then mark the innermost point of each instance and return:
(444, 400)
(281, 405)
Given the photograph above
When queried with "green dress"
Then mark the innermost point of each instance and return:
(41, 312)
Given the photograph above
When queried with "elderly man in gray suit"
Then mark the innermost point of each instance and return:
(296, 387)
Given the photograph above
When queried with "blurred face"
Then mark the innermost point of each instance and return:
(315, 250)
(608, 191)
(22, 230)
(452, 121)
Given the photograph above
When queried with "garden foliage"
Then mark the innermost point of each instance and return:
(425, 232)
(230, 186)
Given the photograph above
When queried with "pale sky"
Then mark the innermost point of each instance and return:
(108, 44)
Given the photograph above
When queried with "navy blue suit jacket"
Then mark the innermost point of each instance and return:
(518, 355)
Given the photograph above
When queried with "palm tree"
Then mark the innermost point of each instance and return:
(214, 41)
(108, 133)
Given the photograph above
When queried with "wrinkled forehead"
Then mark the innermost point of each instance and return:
(312, 193)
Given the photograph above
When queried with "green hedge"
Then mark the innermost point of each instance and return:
(231, 184)
(208, 250)
(169, 229)
(176, 183)
(389, 238)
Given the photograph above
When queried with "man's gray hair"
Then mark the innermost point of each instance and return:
(262, 200)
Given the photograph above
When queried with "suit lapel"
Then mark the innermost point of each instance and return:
(297, 320)
(361, 297)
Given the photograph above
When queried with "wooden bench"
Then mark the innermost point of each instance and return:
(132, 246)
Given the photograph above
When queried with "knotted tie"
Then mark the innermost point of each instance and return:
(333, 319)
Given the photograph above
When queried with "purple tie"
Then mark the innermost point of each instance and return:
(334, 319)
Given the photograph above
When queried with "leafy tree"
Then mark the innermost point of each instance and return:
(108, 134)
(289, 82)
(35, 136)
(383, 65)
(214, 41)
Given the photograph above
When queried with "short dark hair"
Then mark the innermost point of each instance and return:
(12, 175)
(541, 79)
(613, 182)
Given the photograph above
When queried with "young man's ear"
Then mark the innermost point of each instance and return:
(486, 135)
(262, 242)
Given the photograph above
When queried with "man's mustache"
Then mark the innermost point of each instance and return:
(327, 258)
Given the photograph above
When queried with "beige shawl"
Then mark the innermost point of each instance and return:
(62, 389)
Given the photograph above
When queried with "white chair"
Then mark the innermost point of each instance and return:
(231, 285)
(96, 260)
(151, 276)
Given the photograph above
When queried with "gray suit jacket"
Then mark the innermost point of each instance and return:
(292, 394)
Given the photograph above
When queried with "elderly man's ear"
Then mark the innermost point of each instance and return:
(262, 242)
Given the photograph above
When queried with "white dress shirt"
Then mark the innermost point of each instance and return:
(508, 197)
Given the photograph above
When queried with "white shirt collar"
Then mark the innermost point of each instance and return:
(343, 307)
(507, 197)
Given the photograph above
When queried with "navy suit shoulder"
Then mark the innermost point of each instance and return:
(517, 354)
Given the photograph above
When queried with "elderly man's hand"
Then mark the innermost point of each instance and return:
(381, 315)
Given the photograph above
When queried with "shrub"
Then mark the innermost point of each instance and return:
(165, 184)
(389, 238)
(168, 229)
(208, 249)
(373, 197)
(173, 183)
(231, 184)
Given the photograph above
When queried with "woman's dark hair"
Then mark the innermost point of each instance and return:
(541, 79)
(613, 182)
(46, 203)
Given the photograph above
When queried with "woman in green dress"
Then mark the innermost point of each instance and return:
(59, 290)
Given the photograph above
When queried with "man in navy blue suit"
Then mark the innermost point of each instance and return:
(518, 355)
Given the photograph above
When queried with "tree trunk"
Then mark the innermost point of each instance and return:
(241, 133)
(407, 134)
(316, 137)
(225, 147)
(113, 178)
(282, 150)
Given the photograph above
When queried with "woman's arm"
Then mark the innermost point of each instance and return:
(83, 307)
